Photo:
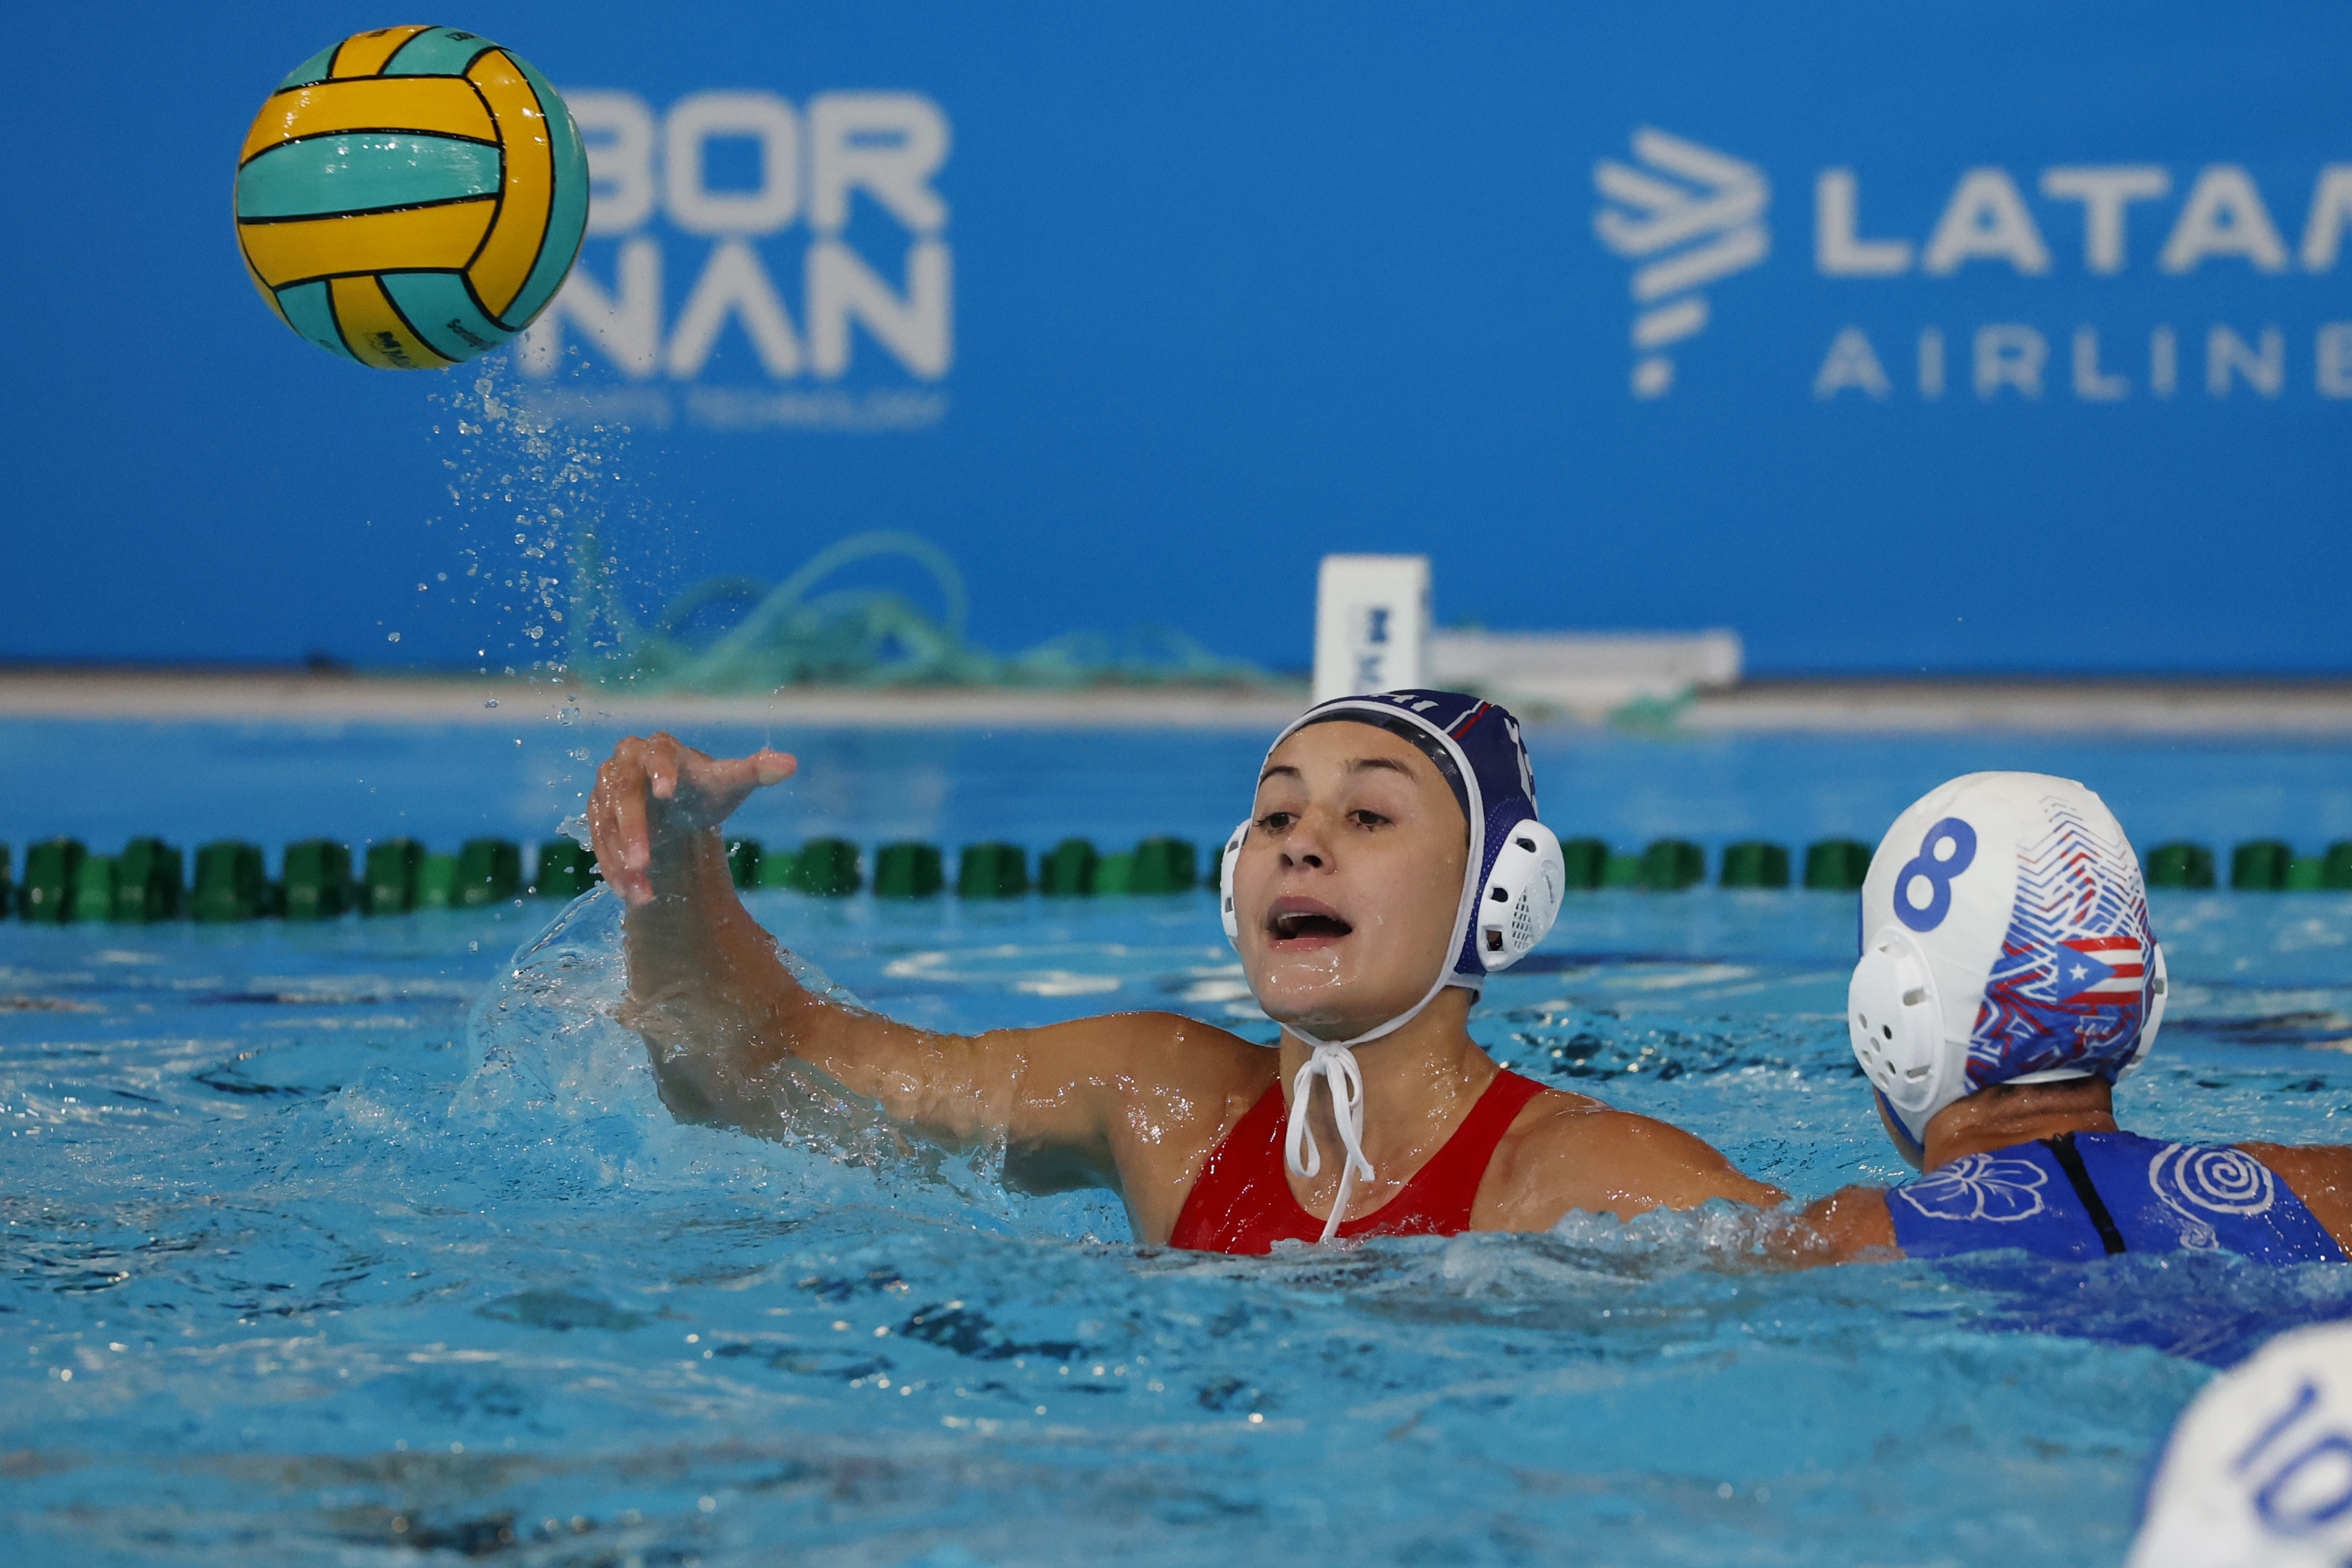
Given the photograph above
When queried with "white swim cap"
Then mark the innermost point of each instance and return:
(2258, 1471)
(2004, 940)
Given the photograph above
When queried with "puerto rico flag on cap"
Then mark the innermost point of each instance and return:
(2069, 987)
(2100, 971)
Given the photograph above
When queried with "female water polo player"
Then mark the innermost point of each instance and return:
(1391, 861)
(2009, 977)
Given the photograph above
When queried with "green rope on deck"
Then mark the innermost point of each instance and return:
(791, 634)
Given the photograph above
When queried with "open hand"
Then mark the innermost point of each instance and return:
(652, 794)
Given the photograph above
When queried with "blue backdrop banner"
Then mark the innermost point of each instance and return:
(1950, 337)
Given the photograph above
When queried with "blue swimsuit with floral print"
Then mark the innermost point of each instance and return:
(2092, 1194)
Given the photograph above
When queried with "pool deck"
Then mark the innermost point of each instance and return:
(2316, 708)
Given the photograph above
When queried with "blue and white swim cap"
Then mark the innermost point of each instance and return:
(2005, 939)
(2258, 1471)
(1477, 748)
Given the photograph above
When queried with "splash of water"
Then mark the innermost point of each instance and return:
(554, 1069)
(533, 503)
(538, 501)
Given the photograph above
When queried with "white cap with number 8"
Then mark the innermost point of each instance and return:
(2005, 939)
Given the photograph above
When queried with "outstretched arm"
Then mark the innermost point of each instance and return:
(706, 987)
(1851, 1225)
(1574, 1153)
(719, 1010)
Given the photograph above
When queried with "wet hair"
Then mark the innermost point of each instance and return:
(1421, 741)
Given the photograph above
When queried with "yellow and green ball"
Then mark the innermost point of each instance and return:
(411, 198)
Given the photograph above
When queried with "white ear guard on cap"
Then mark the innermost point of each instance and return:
(1226, 884)
(1895, 1022)
(1521, 897)
(2160, 983)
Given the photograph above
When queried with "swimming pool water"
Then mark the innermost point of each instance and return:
(340, 1243)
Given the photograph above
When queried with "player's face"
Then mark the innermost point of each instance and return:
(1347, 888)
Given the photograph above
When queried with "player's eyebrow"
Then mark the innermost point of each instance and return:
(1355, 766)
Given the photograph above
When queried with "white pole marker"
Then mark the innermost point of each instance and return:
(1372, 625)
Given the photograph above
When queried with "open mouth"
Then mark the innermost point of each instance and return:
(1295, 921)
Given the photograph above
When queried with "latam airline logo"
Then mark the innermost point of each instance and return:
(2233, 264)
(1689, 215)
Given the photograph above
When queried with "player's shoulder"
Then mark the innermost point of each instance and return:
(2329, 1163)
(1560, 1121)
(1164, 1052)
(1562, 1136)
(1568, 1150)
(1179, 1035)
(2320, 1175)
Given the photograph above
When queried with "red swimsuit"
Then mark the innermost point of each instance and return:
(1242, 1202)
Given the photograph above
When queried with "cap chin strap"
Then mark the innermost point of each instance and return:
(1334, 1062)
(1335, 1065)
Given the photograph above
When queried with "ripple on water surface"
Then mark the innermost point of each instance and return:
(324, 1241)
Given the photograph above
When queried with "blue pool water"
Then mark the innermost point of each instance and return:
(338, 1242)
